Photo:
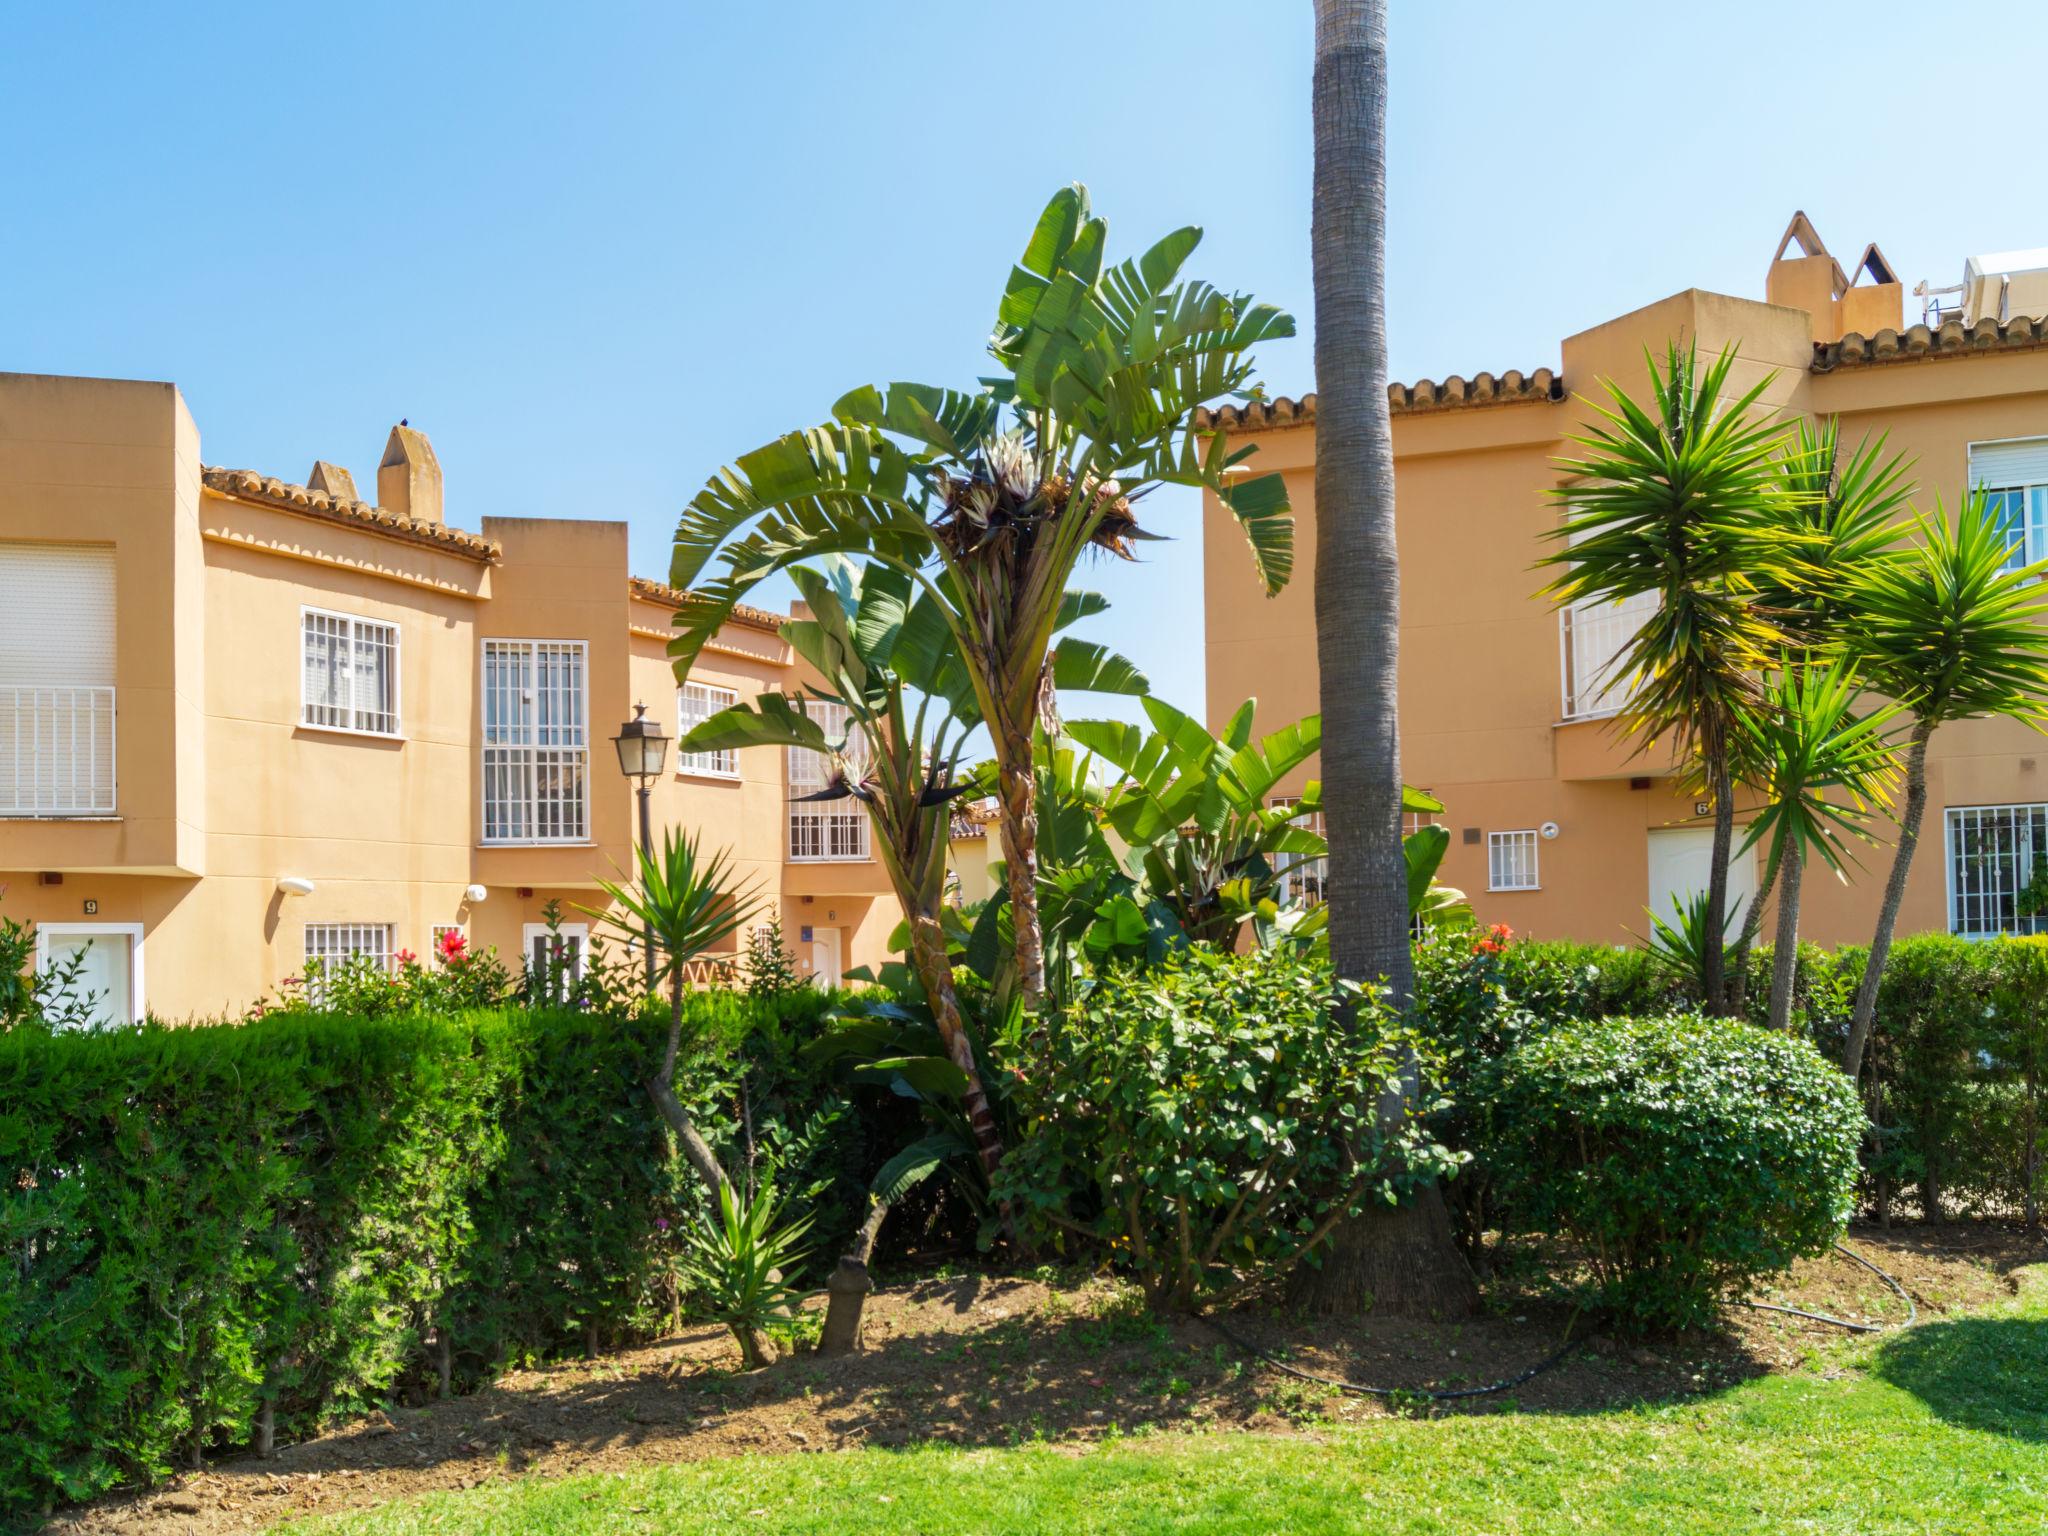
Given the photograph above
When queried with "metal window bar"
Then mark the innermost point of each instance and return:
(1993, 853)
(56, 751)
(825, 831)
(1511, 861)
(334, 944)
(1594, 638)
(696, 703)
(348, 671)
(536, 752)
(1304, 880)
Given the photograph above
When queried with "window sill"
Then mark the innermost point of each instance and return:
(1511, 890)
(537, 842)
(60, 816)
(349, 730)
(822, 858)
(707, 774)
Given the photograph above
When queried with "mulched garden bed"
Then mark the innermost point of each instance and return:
(991, 1360)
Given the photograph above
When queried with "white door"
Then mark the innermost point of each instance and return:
(826, 969)
(107, 979)
(562, 948)
(1681, 861)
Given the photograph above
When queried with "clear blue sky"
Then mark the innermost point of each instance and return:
(598, 250)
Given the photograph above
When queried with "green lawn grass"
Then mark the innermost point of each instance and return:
(1941, 1429)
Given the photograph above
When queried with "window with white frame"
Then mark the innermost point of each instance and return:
(696, 703)
(1997, 869)
(1511, 861)
(1594, 636)
(450, 939)
(1303, 880)
(826, 831)
(536, 742)
(2014, 478)
(348, 673)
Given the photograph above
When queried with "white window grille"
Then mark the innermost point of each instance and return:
(335, 944)
(2014, 479)
(696, 703)
(536, 742)
(1994, 855)
(826, 831)
(1303, 880)
(57, 621)
(1511, 861)
(348, 673)
(1594, 638)
(441, 932)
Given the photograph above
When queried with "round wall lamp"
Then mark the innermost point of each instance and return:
(294, 885)
(474, 894)
(1548, 831)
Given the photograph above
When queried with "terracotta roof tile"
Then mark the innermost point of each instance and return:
(1454, 393)
(1951, 339)
(675, 597)
(269, 491)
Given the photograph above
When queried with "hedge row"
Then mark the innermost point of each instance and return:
(307, 1214)
(1956, 1078)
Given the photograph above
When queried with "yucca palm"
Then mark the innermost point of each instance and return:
(1842, 513)
(1822, 770)
(1682, 501)
(988, 501)
(1952, 629)
(884, 652)
(687, 902)
(1841, 510)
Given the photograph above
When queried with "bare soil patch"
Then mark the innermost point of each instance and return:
(992, 1360)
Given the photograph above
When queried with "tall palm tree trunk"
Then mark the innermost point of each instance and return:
(935, 970)
(1785, 948)
(1721, 785)
(1399, 1259)
(1865, 1011)
(1752, 925)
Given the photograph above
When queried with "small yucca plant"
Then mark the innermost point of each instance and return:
(738, 1261)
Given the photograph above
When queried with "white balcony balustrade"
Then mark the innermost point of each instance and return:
(56, 751)
(1595, 638)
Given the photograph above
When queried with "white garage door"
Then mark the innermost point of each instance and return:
(1681, 860)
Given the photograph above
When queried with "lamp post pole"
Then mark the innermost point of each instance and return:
(647, 846)
(642, 748)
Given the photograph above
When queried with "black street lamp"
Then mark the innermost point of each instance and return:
(642, 748)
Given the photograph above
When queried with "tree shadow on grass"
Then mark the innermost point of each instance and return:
(1986, 1373)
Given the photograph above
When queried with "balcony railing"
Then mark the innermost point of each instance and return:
(56, 751)
(1594, 640)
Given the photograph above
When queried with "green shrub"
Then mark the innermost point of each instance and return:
(312, 1213)
(1209, 1121)
(1685, 1155)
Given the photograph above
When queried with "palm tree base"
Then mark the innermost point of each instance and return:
(1390, 1261)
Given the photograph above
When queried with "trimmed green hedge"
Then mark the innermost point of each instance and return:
(1684, 1154)
(314, 1212)
(1956, 1078)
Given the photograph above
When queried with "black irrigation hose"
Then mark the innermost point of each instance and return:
(1912, 1311)
(1565, 1348)
(1432, 1393)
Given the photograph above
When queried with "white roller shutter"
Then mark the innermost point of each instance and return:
(1999, 466)
(56, 680)
(56, 615)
